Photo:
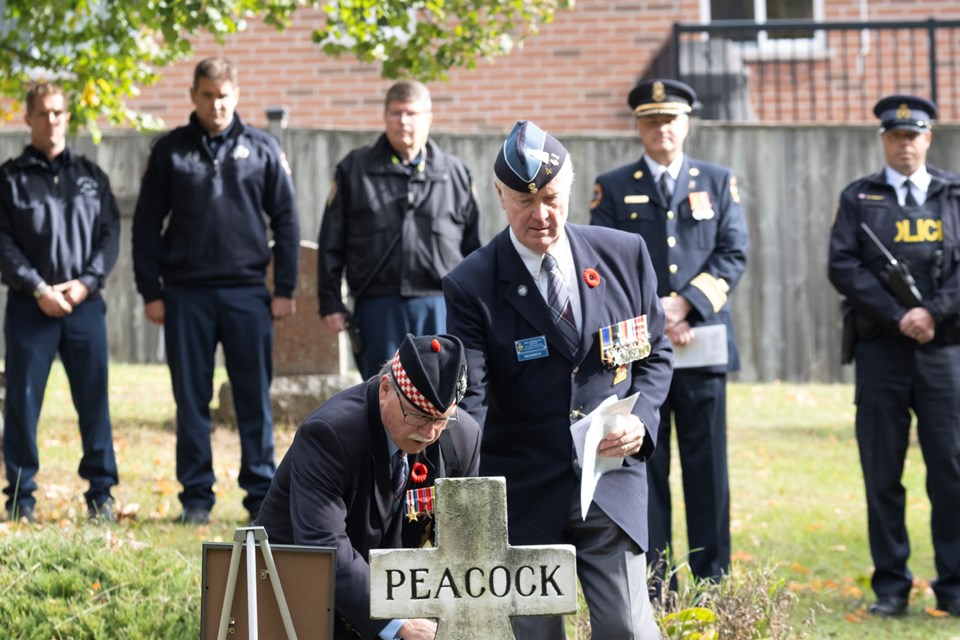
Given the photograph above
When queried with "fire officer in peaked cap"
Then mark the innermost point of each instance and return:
(689, 213)
(895, 257)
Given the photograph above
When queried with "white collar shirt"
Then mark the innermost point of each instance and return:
(920, 180)
(561, 252)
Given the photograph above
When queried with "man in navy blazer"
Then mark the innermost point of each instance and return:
(343, 481)
(555, 318)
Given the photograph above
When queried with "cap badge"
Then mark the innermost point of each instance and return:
(532, 187)
(903, 112)
(659, 93)
(538, 154)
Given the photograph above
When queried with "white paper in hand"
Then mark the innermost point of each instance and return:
(587, 434)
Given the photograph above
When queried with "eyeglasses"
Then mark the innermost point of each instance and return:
(419, 420)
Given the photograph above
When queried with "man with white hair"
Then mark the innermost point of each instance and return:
(556, 318)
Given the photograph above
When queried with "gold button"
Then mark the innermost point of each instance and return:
(674, 294)
(669, 215)
(674, 268)
(671, 241)
(633, 215)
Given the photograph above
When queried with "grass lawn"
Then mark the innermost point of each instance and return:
(797, 505)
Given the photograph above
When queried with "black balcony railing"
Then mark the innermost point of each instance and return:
(801, 71)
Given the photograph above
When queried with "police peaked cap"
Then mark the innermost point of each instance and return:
(661, 96)
(431, 372)
(905, 112)
(529, 159)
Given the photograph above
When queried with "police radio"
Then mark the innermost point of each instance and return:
(896, 275)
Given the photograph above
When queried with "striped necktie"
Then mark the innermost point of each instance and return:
(559, 301)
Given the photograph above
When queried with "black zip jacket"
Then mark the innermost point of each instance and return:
(213, 206)
(373, 201)
(58, 222)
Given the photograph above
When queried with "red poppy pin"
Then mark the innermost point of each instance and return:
(419, 472)
(591, 277)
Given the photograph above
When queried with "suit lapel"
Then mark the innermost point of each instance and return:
(521, 293)
(591, 298)
(682, 188)
(380, 458)
(647, 185)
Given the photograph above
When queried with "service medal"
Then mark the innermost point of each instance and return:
(624, 342)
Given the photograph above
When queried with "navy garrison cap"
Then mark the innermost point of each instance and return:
(431, 372)
(661, 96)
(905, 112)
(529, 159)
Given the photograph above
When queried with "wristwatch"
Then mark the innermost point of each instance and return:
(41, 290)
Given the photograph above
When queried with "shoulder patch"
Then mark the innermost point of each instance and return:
(597, 195)
(734, 190)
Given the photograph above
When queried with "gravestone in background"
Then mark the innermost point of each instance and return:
(473, 581)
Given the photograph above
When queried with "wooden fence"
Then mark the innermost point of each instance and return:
(785, 310)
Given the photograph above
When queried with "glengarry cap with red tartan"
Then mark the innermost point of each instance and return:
(431, 372)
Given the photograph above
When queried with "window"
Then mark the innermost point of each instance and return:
(761, 11)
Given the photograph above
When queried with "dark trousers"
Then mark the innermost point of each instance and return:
(697, 402)
(612, 573)
(894, 375)
(196, 319)
(385, 320)
(33, 340)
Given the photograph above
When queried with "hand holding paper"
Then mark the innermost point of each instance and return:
(599, 455)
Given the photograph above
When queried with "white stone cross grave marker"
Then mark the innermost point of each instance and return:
(472, 581)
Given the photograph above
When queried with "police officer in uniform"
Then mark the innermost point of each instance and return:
(907, 354)
(688, 212)
(401, 213)
(59, 238)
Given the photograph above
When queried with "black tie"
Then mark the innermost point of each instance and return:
(400, 468)
(665, 189)
(909, 200)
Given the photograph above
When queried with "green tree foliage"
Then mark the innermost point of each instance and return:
(103, 51)
(425, 38)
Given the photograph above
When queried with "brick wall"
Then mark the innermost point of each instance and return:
(573, 77)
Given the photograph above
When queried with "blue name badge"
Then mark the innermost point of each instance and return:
(531, 348)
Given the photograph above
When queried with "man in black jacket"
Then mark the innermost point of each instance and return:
(343, 483)
(400, 215)
(202, 276)
(907, 352)
(59, 238)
